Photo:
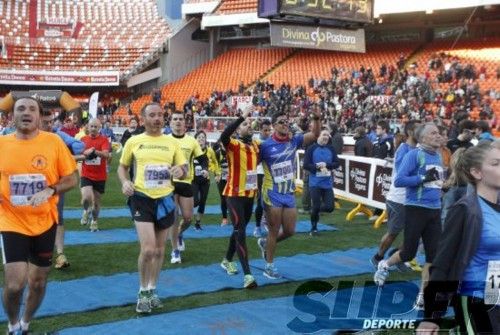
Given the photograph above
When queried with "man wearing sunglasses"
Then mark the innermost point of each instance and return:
(278, 159)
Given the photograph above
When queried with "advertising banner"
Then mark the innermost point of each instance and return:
(323, 38)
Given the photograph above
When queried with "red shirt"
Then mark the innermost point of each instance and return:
(95, 169)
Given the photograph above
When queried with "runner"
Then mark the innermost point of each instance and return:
(29, 184)
(320, 160)
(201, 182)
(421, 172)
(265, 132)
(240, 191)
(94, 173)
(76, 147)
(183, 188)
(155, 158)
(221, 178)
(395, 199)
(278, 158)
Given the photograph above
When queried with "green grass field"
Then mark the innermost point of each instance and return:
(109, 259)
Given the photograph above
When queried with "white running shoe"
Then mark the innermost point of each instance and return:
(381, 274)
(175, 257)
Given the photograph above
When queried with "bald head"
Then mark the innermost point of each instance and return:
(94, 127)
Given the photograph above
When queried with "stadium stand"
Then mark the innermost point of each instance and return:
(236, 6)
(90, 35)
(223, 73)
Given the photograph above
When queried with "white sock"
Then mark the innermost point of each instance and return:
(151, 287)
(268, 265)
(24, 325)
(14, 327)
(143, 289)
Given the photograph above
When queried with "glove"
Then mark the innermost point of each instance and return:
(92, 156)
(430, 175)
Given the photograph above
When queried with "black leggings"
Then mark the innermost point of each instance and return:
(421, 222)
(240, 211)
(322, 201)
(223, 204)
(200, 190)
(259, 210)
(481, 318)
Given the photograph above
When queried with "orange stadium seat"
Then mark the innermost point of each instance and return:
(114, 35)
(237, 6)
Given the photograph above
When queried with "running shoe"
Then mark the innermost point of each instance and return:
(86, 217)
(381, 274)
(249, 282)
(230, 267)
(143, 305)
(175, 257)
(93, 226)
(180, 244)
(419, 302)
(262, 243)
(197, 227)
(61, 262)
(314, 232)
(271, 272)
(154, 300)
(257, 232)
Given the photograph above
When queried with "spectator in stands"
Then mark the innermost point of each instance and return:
(466, 134)
(444, 151)
(156, 95)
(363, 146)
(69, 127)
(483, 131)
(336, 139)
(383, 147)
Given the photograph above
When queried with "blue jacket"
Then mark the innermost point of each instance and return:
(108, 132)
(317, 154)
(487, 136)
(410, 174)
(76, 147)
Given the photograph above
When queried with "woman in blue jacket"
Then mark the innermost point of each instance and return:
(320, 159)
(466, 269)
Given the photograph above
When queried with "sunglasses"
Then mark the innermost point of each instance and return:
(282, 122)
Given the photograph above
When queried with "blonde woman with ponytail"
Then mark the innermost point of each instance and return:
(466, 270)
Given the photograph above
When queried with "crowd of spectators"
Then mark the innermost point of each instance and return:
(361, 97)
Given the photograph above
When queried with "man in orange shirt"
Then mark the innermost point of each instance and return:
(29, 188)
(94, 173)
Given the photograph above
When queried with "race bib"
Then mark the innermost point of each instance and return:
(95, 161)
(224, 173)
(251, 183)
(436, 183)
(282, 172)
(197, 170)
(23, 186)
(323, 173)
(492, 285)
(156, 176)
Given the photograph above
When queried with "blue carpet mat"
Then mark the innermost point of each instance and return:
(347, 309)
(130, 235)
(95, 292)
(125, 212)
